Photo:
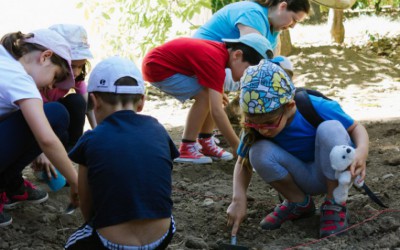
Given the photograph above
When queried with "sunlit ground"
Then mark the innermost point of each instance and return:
(27, 15)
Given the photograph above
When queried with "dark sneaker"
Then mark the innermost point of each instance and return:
(287, 211)
(189, 153)
(5, 219)
(334, 218)
(26, 193)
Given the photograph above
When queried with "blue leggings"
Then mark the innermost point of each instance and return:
(18, 146)
(273, 163)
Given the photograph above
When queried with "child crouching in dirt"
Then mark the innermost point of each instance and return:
(125, 166)
(289, 153)
(189, 68)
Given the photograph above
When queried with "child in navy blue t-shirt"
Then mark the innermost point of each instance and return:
(125, 166)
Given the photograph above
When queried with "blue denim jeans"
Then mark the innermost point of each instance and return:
(180, 86)
(18, 146)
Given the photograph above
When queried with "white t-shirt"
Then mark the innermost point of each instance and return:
(15, 83)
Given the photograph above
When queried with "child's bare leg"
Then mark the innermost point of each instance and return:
(289, 189)
(330, 185)
(196, 116)
(208, 125)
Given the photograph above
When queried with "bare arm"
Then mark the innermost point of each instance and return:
(237, 209)
(221, 119)
(86, 202)
(32, 110)
(360, 137)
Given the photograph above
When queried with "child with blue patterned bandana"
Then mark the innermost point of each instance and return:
(289, 153)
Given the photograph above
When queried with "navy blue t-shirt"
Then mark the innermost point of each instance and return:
(129, 160)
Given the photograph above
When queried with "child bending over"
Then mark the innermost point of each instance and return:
(188, 68)
(289, 153)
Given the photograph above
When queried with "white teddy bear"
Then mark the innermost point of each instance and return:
(341, 158)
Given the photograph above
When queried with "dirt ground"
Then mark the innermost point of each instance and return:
(364, 79)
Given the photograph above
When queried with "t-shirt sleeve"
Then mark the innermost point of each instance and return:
(80, 87)
(331, 110)
(77, 153)
(24, 88)
(243, 148)
(174, 151)
(255, 20)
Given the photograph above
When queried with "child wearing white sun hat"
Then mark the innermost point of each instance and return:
(74, 99)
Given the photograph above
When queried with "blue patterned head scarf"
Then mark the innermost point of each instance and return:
(265, 87)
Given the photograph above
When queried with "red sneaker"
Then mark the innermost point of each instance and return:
(189, 153)
(210, 148)
(26, 193)
(334, 218)
(5, 219)
(287, 211)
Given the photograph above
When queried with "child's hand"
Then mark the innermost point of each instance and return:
(236, 214)
(74, 198)
(43, 163)
(359, 165)
(225, 100)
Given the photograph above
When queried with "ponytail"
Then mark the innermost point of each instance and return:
(15, 45)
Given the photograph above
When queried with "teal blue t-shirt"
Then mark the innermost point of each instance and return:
(298, 138)
(223, 24)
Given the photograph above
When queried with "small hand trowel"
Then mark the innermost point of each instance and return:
(232, 246)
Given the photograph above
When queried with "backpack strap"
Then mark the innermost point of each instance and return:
(306, 108)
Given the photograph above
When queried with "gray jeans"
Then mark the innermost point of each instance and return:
(273, 163)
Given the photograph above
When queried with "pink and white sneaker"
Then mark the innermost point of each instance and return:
(211, 149)
(189, 153)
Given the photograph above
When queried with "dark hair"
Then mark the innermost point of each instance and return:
(292, 5)
(15, 44)
(114, 99)
(86, 68)
(250, 55)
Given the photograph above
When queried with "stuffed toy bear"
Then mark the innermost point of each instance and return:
(341, 158)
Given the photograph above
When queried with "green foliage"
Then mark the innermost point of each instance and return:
(218, 4)
(131, 28)
(376, 4)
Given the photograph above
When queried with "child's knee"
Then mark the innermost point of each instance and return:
(57, 115)
(260, 154)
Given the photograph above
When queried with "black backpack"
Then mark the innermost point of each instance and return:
(305, 106)
(307, 110)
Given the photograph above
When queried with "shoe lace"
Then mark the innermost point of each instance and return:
(212, 145)
(195, 149)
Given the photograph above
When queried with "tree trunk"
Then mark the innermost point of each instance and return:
(285, 43)
(316, 12)
(335, 21)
